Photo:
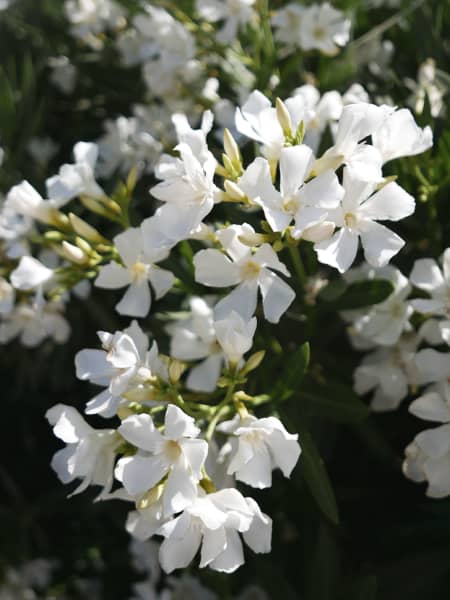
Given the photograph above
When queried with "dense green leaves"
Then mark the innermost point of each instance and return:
(360, 294)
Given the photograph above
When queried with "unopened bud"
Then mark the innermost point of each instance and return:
(176, 369)
(85, 230)
(253, 362)
(73, 253)
(252, 239)
(284, 118)
(132, 179)
(385, 182)
(234, 191)
(54, 236)
(231, 148)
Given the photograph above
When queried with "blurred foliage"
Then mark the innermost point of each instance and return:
(348, 526)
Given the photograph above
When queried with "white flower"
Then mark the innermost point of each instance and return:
(389, 372)
(30, 274)
(427, 276)
(356, 123)
(194, 338)
(14, 229)
(7, 296)
(76, 179)
(258, 120)
(64, 73)
(246, 270)
(235, 13)
(433, 404)
(91, 17)
(34, 322)
(213, 522)
(188, 189)
(175, 454)
(383, 323)
(24, 200)
(258, 447)
(324, 28)
(124, 362)
(90, 453)
(306, 203)
(287, 22)
(235, 335)
(431, 86)
(427, 458)
(321, 111)
(400, 136)
(358, 216)
(138, 271)
(127, 144)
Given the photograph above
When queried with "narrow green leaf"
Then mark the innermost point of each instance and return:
(357, 295)
(316, 477)
(334, 401)
(292, 373)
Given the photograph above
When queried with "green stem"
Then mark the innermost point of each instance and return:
(221, 409)
(298, 265)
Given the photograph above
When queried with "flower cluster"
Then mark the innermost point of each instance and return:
(399, 332)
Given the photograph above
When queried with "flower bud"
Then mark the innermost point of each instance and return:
(85, 230)
(176, 369)
(231, 148)
(234, 191)
(253, 362)
(284, 118)
(73, 253)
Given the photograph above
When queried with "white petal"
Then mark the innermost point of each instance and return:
(242, 300)
(30, 273)
(140, 431)
(177, 424)
(140, 473)
(213, 268)
(177, 553)
(214, 543)
(277, 296)
(426, 275)
(380, 243)
(431, 407)
(161, 280)
(391, 203)
(136, 301)
(295, 165)
(339, 251)
(233, 555)
(129, 245)
(323, 191)
(203, 377)
(179, 492)
(92, 365)
(113, 276)
(195, 451)
(285, 452)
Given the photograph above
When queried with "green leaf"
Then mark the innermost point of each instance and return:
(316, 477)
(292, 374)
(334, 401)
(356, 295)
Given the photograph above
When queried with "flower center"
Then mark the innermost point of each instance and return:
(254, 437)
(291, 204)
(139, 271)
(319, 33)
(172, 450)
(250, 270)
(350, 220)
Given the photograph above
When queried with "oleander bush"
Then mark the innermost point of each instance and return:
(225, 299)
